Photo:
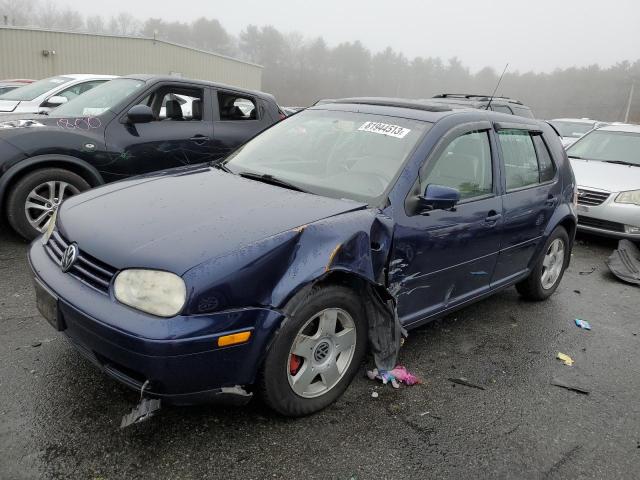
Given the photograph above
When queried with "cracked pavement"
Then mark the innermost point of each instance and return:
(59, 416)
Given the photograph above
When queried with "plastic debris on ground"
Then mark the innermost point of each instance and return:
(146, 409)
(395, 377)
(588, 272)
(624, 262)
(566, 359)
(463, 381)
(374, 394)
(583, 324)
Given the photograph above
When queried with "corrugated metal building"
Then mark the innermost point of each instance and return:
(31, 53)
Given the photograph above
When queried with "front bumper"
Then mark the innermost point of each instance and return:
(610, 219)
(178, 356)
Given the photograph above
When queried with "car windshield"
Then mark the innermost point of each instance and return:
(332, 153)
(572, 129)
(35, 89)
(99, 99)
(608, 146)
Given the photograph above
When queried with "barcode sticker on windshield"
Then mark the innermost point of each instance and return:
(385, 129)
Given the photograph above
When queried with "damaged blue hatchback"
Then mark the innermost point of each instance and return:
(273, 271)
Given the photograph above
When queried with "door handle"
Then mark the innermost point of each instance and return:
(199, 139)
(551, 201)
(492, 218)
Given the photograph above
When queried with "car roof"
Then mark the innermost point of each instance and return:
(84, 76)
(574, 120)
(423, 110)
(627, 128)
(170, 78)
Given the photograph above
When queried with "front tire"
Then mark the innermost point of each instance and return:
(549, 269)
(36, 196)
(316, 353)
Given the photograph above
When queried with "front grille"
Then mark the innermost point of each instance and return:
(603, 224)
(591, 197)
(87, 269)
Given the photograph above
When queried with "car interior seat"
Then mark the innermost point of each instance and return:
(174, 110)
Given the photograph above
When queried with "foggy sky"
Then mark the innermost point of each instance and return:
(538, 35)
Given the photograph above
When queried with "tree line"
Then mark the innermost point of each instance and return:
(300, 70)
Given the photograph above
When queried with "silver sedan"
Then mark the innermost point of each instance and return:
(606, 163)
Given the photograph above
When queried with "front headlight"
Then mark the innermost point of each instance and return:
(632, 196)
(152, 291)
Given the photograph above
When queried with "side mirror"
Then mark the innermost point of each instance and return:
(439, 197)
(55, 101)
(140, 114)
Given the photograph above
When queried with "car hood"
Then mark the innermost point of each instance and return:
(8, 105)
(606, 176)
(178, 219)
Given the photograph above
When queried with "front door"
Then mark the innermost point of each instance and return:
(181, 133)
(442, 258)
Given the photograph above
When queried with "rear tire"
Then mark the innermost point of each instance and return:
(549, 269)
(41, 189)
(326, 360)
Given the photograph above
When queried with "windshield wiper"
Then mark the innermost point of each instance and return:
(219, 165)
(266, 178)
(622, 162)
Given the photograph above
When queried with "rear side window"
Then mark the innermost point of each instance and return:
(464, 165)
(236, 107)
(523, 168)
(546, 166)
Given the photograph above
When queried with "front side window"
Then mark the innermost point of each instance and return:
(236, 107)
(177, 104)
(100, 99)
(464, 165)
(333, 153)
(520, 160)
(35, 89)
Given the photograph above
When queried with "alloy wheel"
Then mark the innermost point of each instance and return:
(321, 353)
(552, 264)
(43, 201)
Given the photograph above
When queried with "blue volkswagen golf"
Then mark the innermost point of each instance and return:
(273, 271)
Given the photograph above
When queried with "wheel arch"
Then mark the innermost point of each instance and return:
(24, 167)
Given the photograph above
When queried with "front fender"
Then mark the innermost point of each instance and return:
(268, 273)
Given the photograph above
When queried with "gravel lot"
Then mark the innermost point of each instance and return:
(59, 417)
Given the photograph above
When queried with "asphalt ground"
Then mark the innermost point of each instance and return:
(60, 417)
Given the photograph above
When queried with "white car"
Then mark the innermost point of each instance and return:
(46, 94)
(571, 129)
(606, 163)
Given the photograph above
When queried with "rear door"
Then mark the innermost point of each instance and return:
(181, 133)
(237, 118)
(533, 190)
(443, 258)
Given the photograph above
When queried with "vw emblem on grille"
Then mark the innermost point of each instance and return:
(69, 257)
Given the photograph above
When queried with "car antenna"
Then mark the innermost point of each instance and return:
(498, 85)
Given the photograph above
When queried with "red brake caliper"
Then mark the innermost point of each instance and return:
(294, 364)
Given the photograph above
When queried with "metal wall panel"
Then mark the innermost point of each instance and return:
(21, 56)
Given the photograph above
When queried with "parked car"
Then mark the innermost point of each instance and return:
(12, 84)
(498, 104)
(46, 94)
(129, 126)
(606, 162)
(262, 272)
(288, 111)
(571, 129)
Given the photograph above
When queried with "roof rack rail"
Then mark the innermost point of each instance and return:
(482, 98)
